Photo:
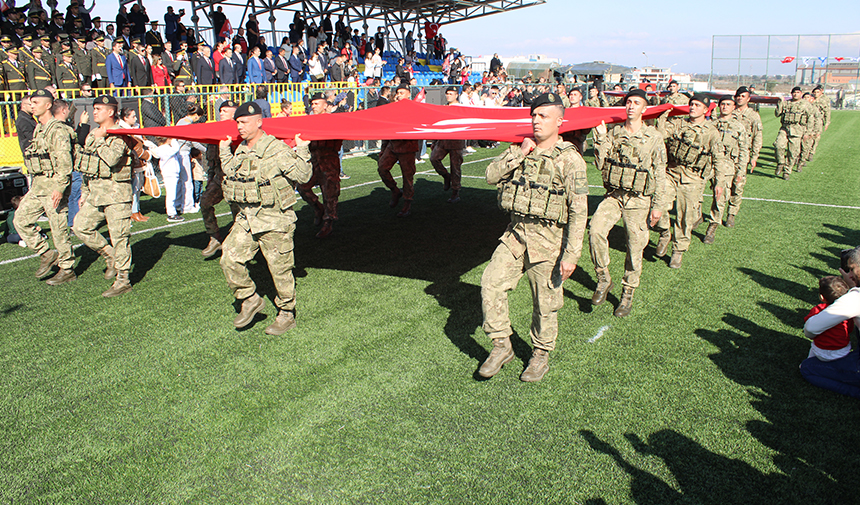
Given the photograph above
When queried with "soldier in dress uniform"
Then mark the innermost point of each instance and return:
(214, 194)
(14, 75)
(5, 44)
(326, 174)
(260, 177)
(734, 137)
(83, 61)
(98, 55)
(453, 149)
(105, 163)
(694, 153)
(67, 72)
(542, 183)
(39, 73)
(794, 116)
(632, 160)
(49, 159)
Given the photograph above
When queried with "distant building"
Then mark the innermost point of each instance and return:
(834, 72)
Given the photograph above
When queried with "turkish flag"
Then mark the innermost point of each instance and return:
(407, 119)
(421, 96)
(226, 30)
(839, 58)
(787, 59)
(431, 29)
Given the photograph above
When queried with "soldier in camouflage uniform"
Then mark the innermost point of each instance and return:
(453, 149)
(694, 153)
(751, 120)
(794, 116)
(543, 184)
(106, 194)
(325, 159)
(632, 159)
(213, 194)
(49, 160)
(595, 98)
(735, 137)
(260, 177)
(813, 131)
(822, 103)
(403, 152)
(674, 97)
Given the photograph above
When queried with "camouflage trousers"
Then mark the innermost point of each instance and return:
(407, 167)
(326, 175)
(30, 210)
(438, 153)
(501, 276)
(212, 196)
(718, 205)
(736, 194)
(118, 217)
(634, 210)
(687, 196)
(241, 246)
(807, 147)
(785, 142)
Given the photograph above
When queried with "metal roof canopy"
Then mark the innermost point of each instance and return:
(389, 12)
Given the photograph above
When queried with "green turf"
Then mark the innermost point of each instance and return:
(153, 397)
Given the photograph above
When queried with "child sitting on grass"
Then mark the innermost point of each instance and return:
(833, 343)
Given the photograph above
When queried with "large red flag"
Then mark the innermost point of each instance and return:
(407, 119)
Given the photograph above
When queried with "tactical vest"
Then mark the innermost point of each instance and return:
(88, 162)
(630, 168)
(536, 188)
(264, 186)
(37, 157)
(730, 138)
(685, 148)
(792, 114)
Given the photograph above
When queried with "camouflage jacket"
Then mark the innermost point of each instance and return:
(115, 153)
(794, 116)
(650, 154)
(676, 99)
(58, 140)
(735, 140)
(703, 138)
(752, 120)
(269, 160)
(545, 240)
(823, 104)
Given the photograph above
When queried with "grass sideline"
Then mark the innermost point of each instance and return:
(153, 397)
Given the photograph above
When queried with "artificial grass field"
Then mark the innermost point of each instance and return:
(696, 397)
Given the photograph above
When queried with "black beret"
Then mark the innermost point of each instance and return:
(42, 93)
(796, 88)
(547, 99)
(636, 92)
(248, 109)
(806, 94)
(317, 96)
(402, 86)
(742, 89)
(818, 87)
(723, 98)
(228, 103)
(452, 88)
(106, 100)
(701, 98)
(673, 81)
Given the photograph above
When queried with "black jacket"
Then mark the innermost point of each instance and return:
(139, 72)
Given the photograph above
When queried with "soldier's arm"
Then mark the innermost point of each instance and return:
(229, 163)
(577, 204)
(602, 145)
(826, 111)
(744, 145)
(722, 164)
(110, 149)
(300, 170)
(62, 157)
(779, 106)
(756, 139)
(663, 126)
(504, 164)
(658, 163)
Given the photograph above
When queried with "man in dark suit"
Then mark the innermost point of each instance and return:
(296, 66)
(150, 116)
(168, 60)
(205, 67)
(239, 63)
(226, 70)
(139, 68)
(268, 67)
(282, 66)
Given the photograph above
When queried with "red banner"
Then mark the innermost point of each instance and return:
(787, 59)
(407, 120)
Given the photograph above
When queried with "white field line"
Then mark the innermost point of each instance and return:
(429, 172)
(599, 334)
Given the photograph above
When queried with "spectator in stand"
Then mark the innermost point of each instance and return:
(282, 66)
(121, 17)
(495, 64)
(110, 35)
(295, 65)
(379, 39)
(226, 71)
(286, 108)
(400, 70)
(255, 67)
(138, 18)
(253, 30)
(171, 23)
(269, 67)
(117, 66)
(218, 55)
(261, 94)
(178, 101)
(205, 68)
(376, 64)
(218, 19)
(240, 40)
(384, 96)
(315, 69)
(239, 63)
(160, 73)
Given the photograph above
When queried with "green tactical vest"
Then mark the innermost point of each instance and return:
(37, 157)
(685, 148)
(536, 188)
(793, 113)
(261, 183)
(630, 168)
(730, 138)
(88, 161)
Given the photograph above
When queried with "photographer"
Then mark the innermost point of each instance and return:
(840, 375)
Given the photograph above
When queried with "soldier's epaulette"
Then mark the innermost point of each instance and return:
(563, 145)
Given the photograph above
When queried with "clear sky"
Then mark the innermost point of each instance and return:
(671, 34)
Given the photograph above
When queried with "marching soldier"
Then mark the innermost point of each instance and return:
(794, 116)
(39, 74)
(752, 121)
(453, 149)
(326, 174)
(822, 103)
(105, 163)
(734, 137)
(98, 55)
(83, 61)
(813, 132)
(402, 151)
(674, 97)
(542, 183)
(214, 192)
(260, 177)
(49, 159)
(67, 73)
(632, 159)
(694, 153)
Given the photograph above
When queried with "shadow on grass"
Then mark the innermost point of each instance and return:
(799, 291)
(765, 361)
(847, 237)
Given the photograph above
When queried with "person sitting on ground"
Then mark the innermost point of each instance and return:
(12, 236)
(833, 343)
(841, 373)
